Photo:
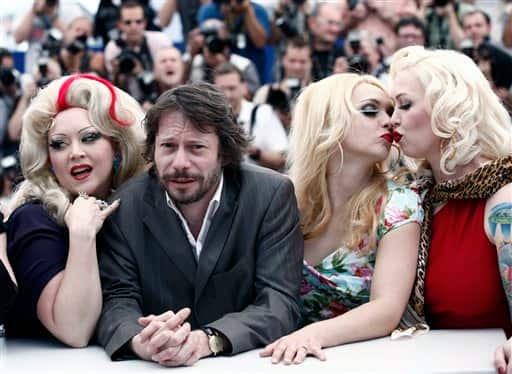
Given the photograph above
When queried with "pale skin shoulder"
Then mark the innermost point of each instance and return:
(498, 225)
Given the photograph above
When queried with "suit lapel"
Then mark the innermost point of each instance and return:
(217, 234)
(166, 227)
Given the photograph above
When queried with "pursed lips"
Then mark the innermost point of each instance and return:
(388, 136)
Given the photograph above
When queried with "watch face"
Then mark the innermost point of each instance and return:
(216, 344)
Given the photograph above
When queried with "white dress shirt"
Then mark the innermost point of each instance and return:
(213, 206)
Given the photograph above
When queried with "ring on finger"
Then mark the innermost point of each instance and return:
(83, 195)
(102, 204)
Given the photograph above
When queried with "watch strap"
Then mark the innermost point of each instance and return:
(216, 340)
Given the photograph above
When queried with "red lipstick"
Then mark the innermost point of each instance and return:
(80, 172)
(387, 137)
(397, 136)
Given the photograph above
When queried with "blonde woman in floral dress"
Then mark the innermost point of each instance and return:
(361, 229)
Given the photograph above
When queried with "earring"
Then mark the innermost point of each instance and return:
(116, 163)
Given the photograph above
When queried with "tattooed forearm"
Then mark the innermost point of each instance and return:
(500, 224)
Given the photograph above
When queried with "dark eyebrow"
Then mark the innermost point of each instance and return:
(87, 128)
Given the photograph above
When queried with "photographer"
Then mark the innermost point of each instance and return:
(129, 58)
(216, 49)
(9, 97)
(105, 19)
(43, 73)
(34, 26)
(494, 61)
(410, 31)
(379, 18)
(325, 26)
(74, 56)
(296, 66)
(249, 26)
(167, 74)
(289, 20)
(269, 142)
(364, 56)
(443, 21)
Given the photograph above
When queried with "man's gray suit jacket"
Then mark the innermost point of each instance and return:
(245, 283)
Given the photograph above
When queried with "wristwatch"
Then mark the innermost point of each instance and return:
(215, 340)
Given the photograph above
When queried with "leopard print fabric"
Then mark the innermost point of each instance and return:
(480, 184)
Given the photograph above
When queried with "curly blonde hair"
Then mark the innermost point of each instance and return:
(462, 106)
(321, 121)
(40, 183)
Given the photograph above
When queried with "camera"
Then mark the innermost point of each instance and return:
(287, 26)
(127, 61)
(10, 169)
(278, 100)
(42, 66)
(148, 86)
(52, 42)
(357, 62)
(440, 3)
(484, 51)
(78, 45)
(8, 76)
(128, 58)
(500, 61)
(212, 41)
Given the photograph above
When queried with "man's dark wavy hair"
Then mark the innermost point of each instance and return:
(207, 108)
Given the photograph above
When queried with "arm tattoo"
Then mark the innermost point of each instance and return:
(500, 224)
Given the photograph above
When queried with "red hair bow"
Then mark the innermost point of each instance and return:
(62, 103)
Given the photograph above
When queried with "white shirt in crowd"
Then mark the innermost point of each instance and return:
(268, 133)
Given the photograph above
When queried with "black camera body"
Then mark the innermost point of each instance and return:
(499, 60)
(78, 45)
(10, 169)
(127, 60)
(8, 76)
(287, 26)
(52, 42)
(148, 86)
(212, 41)
(440, 3)
(357, 62)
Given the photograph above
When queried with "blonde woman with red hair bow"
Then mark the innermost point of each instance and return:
(80, 140)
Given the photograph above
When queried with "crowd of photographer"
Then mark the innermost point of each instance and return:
(260, 53)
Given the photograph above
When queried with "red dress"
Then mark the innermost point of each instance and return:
(463, 288)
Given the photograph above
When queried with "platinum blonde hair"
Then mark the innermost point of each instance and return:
(462, 106)
(40, 183)
(321, 122)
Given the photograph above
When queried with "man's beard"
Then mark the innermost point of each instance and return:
(206, 183)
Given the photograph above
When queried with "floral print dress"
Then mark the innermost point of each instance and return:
(342, 281)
